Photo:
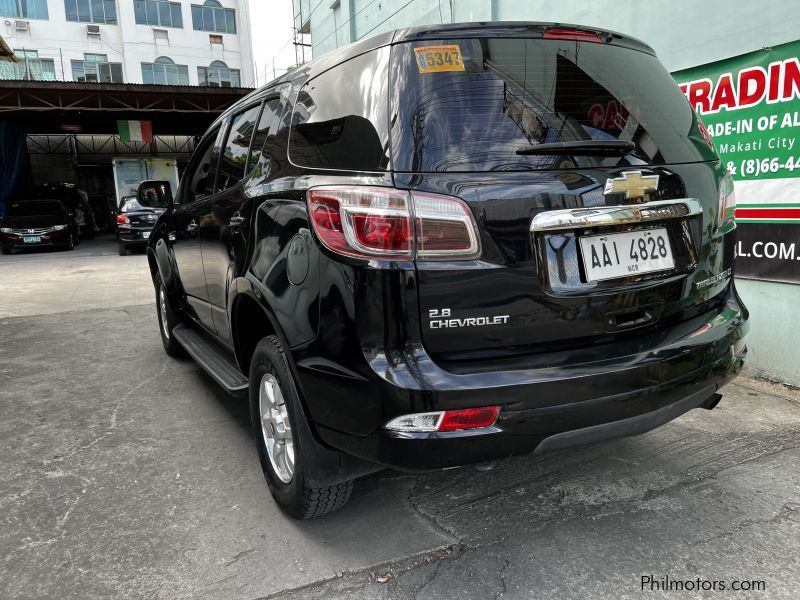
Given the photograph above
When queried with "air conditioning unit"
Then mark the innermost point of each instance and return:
(22, 25)
(93, 30)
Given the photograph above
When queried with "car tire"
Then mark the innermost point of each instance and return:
(274, 395)
(123, 250)
(168, 319)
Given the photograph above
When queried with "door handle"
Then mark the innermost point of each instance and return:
(603, 216)
(191, 226)
(236, 221)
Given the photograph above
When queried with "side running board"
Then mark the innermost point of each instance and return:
(212, 359)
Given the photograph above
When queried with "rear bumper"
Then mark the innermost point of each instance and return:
(545, 408)
(134, 237)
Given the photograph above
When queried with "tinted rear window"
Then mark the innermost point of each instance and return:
(131, 205)
(339, 119)
(470, 104)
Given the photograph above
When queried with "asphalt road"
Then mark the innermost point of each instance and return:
(128, 474)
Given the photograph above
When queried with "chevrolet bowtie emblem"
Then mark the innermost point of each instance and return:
(633, 184)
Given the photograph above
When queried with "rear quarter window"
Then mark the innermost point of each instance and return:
(469, 104)
(340, 120)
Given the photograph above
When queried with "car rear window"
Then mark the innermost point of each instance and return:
(470, 104)
(131, 205)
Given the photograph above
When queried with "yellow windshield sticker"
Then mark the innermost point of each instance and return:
(435, 59)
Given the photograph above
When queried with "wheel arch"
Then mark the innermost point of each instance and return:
(160, 262)
(251, 322)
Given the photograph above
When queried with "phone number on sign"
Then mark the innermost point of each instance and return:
(760, 166)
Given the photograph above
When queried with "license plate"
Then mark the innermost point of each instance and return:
(626, 254)
(31, 239)
(146, 234)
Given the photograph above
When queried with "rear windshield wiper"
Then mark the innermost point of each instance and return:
(581, 147)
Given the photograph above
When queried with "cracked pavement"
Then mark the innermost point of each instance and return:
(128, 474)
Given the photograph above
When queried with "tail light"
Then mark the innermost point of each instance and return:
(727, 201)
(123, 219)
(574, 35)
(445, 420)
(385, 223)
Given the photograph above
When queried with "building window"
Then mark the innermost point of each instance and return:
(28, 67)
(212, 17)
(96, 68)
(164, 71)
(158, 12)
(27, 9)
(91, 11)
(217, 74)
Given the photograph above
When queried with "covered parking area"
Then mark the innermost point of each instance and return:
(68, 132)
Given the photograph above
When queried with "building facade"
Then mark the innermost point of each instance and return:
(684, 34)
(172, 42)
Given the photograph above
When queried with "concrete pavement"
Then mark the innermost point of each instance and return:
(93, 275)
(129, 474)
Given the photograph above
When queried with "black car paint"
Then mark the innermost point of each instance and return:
(355, 333)
(141, 221)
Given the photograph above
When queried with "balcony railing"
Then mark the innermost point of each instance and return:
(29, 69)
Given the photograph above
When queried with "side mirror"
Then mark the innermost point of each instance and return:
(155, 194)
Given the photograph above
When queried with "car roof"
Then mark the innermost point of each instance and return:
(512, 29)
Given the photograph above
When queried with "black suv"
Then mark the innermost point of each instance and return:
(452, 244)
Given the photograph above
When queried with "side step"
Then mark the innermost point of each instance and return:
(213, 360)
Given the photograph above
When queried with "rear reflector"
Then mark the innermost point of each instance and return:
(448, 420)
(574, 35)
(386, 223)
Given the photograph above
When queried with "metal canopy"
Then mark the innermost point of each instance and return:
(74, 107)
(5, 52)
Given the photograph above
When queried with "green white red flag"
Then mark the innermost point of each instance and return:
(135, 131)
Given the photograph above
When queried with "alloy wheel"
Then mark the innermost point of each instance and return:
(162, 308)
(275, 427)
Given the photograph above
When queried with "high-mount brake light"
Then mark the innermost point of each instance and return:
(390, 224)
(445, 420)
(574, 35)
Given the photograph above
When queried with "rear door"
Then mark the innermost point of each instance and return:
(223, 225)
(467, 116)
(193, 201)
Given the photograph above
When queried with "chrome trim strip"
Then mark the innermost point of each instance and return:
(602, 216)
